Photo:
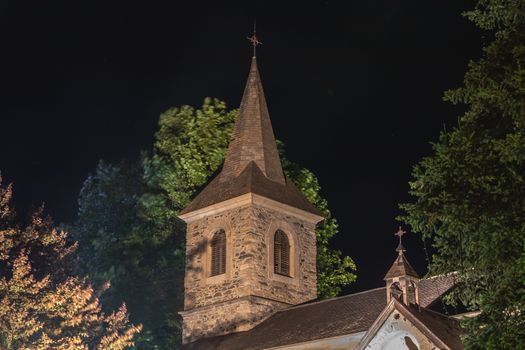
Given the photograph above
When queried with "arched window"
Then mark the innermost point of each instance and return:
(218, 253)
(281, 253)
(396, 291)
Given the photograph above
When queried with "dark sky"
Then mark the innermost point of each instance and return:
(354, 90)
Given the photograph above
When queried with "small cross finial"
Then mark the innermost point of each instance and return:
(400, 249)
(253, 39)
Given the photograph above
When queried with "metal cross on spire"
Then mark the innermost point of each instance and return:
(253, 39)
(400, 248)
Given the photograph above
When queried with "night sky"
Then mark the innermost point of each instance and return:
(354, 91)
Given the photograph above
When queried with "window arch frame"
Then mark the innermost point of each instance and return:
(295, 273)
(206, 248)
(218, 253)
(397, 287)
(281, 253)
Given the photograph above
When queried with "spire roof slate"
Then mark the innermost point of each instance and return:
(251, 180)
(252, 163)
(253, 138)
(401, 267)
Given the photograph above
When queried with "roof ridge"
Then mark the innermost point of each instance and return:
(331, 299)
(354, 294)
(426, 309)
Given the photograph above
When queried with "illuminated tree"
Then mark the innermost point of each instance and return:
(42, 305)
(190, 147)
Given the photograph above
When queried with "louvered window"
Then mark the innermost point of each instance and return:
(218, 253)
(281, 253)
(396, 291)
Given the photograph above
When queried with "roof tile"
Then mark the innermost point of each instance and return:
(328, 318)
(252, 162)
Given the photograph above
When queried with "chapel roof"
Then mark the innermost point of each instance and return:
(252, 163)
(323, 319)
(251, 180)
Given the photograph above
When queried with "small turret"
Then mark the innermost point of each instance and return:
(402, 281)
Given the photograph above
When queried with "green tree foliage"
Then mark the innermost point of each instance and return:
(122, 241)
(42, 304)
(333, 269)
(190, 145)
(470, 195)
(130, 232)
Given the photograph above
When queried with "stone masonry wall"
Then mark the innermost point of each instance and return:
(249, 270)
(302, 286)
(228, 317)
(200, 290)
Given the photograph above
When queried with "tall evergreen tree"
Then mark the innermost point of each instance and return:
(119, 243)
(42, 305)
(470, 195)
(130, 233)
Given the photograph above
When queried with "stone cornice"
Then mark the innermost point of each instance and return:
(247, 199)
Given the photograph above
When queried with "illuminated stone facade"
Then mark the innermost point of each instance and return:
(249, 291)
(250, 200)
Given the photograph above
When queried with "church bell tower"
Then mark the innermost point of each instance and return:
(402, 281)
(250, 243)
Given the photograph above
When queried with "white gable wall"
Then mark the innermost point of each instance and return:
(398, 333)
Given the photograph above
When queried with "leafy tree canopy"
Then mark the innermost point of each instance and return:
(470, 194)
(42, 304)
(129, 231)
(190, 147)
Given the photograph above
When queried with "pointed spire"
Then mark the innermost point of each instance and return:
(252, 163)
(401, 267)
(253, 138)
